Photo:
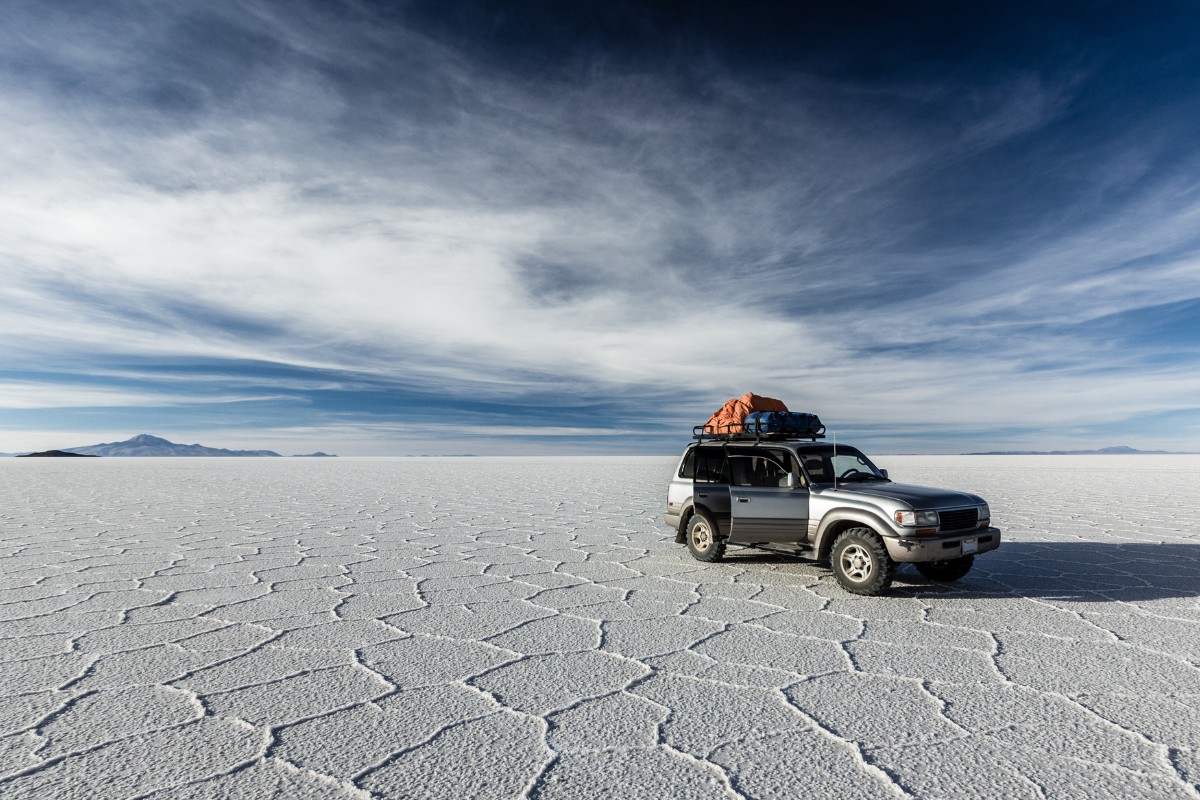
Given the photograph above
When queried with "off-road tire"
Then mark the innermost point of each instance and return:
(704, 540)
(946, 571)
(860, 562)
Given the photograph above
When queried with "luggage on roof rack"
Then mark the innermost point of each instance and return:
(760, 425)
(786, 423)
(728, 418)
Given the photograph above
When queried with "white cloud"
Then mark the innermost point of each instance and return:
(57, 394)
(450, 227)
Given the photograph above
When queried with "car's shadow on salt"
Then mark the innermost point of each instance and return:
(1077, 570)
(1087, 571)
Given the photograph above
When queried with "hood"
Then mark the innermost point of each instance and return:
(916, 496)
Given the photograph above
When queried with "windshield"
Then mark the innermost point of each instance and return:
(847, 465)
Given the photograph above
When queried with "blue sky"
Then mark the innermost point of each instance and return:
(390, 228)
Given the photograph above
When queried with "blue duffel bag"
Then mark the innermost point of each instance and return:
(786, 423)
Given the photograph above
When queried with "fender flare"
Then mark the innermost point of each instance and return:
(689, 508)
(836, 522)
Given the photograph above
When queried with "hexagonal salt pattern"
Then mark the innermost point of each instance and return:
(493, 628)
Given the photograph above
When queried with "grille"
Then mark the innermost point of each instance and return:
(959, 519)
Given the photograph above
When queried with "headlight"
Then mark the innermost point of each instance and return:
(913, 519)
(985, 514)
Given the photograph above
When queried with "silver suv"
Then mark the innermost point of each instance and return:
(822, 501)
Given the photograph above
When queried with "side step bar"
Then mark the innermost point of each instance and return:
(798, 550)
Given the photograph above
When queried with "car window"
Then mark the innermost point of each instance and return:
(688, 468)
(828, 465)
(757, 470)
(818, 468)
(710, 465)
(785, 458)
(850, 463)
(740, 470)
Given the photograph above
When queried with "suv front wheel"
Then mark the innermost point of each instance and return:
(861, 564)
(703, 540)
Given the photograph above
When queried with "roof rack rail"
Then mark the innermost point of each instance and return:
(701, 435)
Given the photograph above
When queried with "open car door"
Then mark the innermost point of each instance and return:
(767, 501)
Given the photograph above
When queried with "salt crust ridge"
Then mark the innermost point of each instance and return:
(527, 628)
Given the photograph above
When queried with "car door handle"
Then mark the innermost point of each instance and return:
(702, 494)
(743, 499)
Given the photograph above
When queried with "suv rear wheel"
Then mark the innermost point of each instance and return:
(861, 564)
(946, 571)
(703, 540)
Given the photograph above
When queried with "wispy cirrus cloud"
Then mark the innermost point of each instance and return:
(362, 203)
(34, 395)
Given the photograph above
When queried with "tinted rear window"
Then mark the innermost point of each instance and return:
(705, 465)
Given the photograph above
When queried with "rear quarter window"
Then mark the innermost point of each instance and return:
(687, 469)
(710, 465)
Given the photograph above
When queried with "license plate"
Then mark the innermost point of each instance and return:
(970, 546)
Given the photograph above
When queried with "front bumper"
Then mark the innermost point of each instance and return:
(941, 548)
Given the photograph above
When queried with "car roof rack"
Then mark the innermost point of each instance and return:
(700, 434)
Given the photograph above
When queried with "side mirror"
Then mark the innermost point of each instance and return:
(883, 472)
(793, 480)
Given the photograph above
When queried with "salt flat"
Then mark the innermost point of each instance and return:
(453, 628)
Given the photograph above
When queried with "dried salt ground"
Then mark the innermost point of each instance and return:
(493, 628)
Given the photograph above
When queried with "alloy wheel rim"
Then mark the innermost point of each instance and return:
(856, 563)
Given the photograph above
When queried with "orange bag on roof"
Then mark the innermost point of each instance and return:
(730, 416)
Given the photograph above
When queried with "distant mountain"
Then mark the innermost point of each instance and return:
(57, 454)
(317, 454)
(1119, 450)
(147, 445)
